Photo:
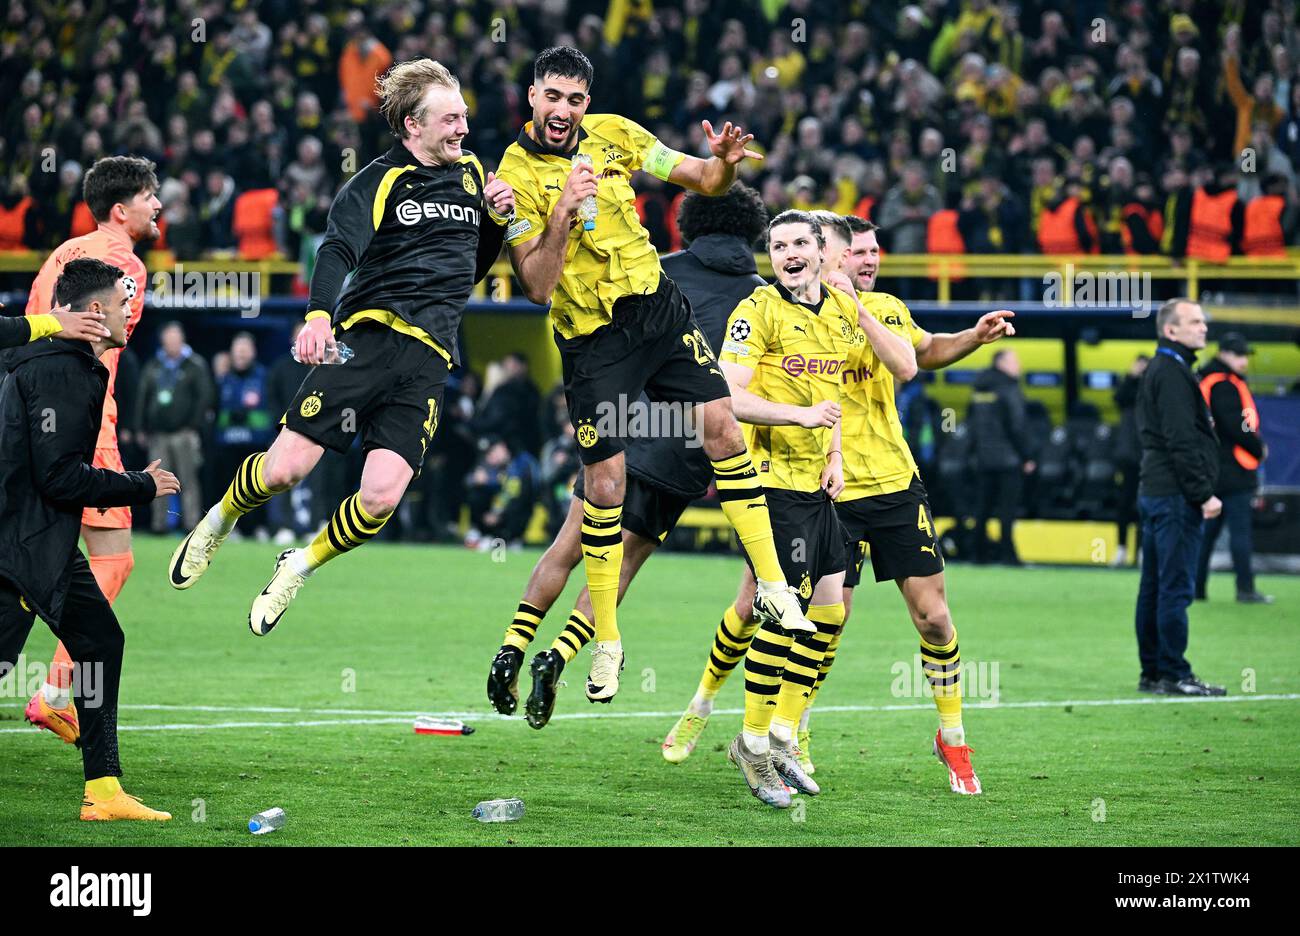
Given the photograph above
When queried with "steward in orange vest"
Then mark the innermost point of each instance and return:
(1236, 419)
(1142, 222)
(943, 237)
(1066, 227)
(1208, 218)
(17, 222)
(1263, 228)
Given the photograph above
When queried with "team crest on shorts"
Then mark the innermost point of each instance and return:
(467, 180)
(310, 406)
(805, 587)
(739, 329)
(587, 435)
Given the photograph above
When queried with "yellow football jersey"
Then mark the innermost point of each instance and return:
(614, 260)
(877, 459)
(797, 354)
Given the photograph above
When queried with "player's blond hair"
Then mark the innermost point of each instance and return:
(402, 89)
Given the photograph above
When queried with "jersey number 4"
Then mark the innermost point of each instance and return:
(923, 521)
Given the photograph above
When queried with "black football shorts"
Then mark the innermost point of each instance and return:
(898, 528)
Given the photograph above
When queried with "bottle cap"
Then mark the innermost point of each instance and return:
(589, 225)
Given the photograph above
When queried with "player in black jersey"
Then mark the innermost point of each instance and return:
(416, 229)
(714, 272)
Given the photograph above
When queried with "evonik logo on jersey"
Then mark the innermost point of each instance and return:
(413, 212)
(797, 365)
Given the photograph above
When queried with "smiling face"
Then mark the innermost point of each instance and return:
(559, 104)
(796, 256)
(862, 261)
(443, 123)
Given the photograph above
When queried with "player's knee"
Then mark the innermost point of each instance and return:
(605, 490)
(934, 625)
(381, 501)
(280, 474)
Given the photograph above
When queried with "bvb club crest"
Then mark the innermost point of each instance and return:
(310, 406)
(468, 181)
(805, 587)
(587, 435)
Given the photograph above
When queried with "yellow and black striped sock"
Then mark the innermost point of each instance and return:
(246, 493)
(576, 634)
(523, 628)
(803, 665)
(745, 506)
(729, 646)
(348, 528)
(764, 664)
(602, 557)
(828, 659)
(942, 667)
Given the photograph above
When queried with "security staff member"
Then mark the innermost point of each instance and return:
(1236, 423)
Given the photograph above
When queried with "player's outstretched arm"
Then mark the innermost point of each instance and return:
(940, 350)
(714, 176)
(539, 262)
(751, 408)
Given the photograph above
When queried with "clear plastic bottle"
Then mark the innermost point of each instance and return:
(499, 810)
(336, 353)
(587, 210)
(267, 821)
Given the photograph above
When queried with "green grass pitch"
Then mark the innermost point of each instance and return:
(392, 631)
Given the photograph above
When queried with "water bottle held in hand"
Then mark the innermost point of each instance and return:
(587, 210)
(499, 810)
(267, 821)
(336, 352)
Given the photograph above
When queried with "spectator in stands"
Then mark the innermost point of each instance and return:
(217, 211)
(907, 209)
(512, 406)
(1257, 105)
(1241, 450)
(173, 406)
(1003, 454)
(1180, 466)
(1267, 159)
(244, 423)
(501, 492)
(1128, 457)
(364, 59)
(181, 226)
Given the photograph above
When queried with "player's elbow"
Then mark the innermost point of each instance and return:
(906, 370)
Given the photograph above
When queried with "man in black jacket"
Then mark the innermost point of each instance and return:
(1180, 465)
(1236, 423)
(715, 272)
(1003, 454)
(50, 409)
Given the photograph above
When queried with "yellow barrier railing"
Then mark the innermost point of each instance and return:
(944, 269)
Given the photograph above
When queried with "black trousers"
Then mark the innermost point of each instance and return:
(997, 495)
(1237, 516)
(91, 633)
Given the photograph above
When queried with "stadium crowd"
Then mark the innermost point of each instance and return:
(1167, 127)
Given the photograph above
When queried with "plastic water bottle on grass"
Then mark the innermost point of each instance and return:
(267, 821)
(499, 810)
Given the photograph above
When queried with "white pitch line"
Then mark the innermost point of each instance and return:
(389, 717)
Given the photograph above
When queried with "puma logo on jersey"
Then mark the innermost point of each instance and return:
(603, 557)
(800, 329)
(930, 550)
